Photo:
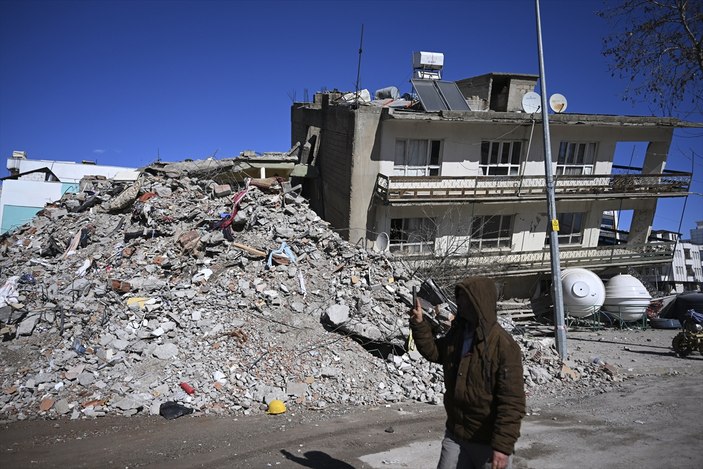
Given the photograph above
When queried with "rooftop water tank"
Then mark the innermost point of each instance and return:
(583, 292)
(428, 60)
(626, 298)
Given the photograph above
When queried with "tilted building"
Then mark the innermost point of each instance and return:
(458, 191)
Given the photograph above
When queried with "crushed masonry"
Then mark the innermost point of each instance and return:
(113, 298)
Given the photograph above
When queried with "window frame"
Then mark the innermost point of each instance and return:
(495, 161)
(572, 238)
(432, 158)
(479, 238)
(417, 235)
(568, 157)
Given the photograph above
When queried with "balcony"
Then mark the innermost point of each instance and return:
(505, 263)
(622, 184)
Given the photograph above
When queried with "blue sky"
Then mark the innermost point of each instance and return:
(123, 82)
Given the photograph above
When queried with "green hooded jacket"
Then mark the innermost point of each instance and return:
(484, 391)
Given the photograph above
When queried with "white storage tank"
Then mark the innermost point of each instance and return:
(626, 298)
(428, 60)
(583, 292)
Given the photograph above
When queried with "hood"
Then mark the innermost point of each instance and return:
(483, 296)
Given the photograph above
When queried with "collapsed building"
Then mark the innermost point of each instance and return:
(201, 286)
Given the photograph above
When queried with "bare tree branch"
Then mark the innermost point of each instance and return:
(657, 45)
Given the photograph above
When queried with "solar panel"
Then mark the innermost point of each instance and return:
(453, 96)
(429, 95)
(437, 95)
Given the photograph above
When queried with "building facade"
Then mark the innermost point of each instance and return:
(685, 271)
(34, 183)
(468, 187)
(697, 233)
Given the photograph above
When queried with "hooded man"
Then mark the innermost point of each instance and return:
(484, 392)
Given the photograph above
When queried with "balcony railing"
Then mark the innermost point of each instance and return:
(400, 190)
(521, 263)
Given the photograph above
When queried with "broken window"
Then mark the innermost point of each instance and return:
(576, 158)
(413, 235)
(491, 231)
(570, 228)
(500, 158)
(417, 157)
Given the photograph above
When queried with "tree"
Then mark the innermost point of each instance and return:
(658, 46)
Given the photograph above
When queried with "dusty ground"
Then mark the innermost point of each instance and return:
(649, 419)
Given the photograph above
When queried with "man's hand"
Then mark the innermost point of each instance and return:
(416, 312)
(500, 460)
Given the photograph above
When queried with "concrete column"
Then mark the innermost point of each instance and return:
(655, 157)
(363, 169)
(642, 219)
(641, 224)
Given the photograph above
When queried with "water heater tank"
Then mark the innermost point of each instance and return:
(626, 298)
(583, 292)
(428, 60)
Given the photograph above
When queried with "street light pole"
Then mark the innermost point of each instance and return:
(557, 294)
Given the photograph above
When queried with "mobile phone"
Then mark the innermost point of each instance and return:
(414, 296)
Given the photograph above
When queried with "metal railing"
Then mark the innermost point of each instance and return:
(520, 263)
(448, 189)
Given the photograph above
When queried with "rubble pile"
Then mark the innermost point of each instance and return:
(179, 289)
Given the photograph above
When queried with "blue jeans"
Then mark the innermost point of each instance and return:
(457, 454)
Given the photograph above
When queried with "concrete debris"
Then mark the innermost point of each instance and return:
(139, 288)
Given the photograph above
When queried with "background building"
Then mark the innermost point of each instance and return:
(683, 273)
(34, 183)
(697, 233)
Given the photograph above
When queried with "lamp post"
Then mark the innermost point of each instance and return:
(557, 294)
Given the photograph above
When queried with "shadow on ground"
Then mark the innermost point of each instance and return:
(316, 460)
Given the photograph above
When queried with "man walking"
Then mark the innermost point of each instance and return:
(484, 392)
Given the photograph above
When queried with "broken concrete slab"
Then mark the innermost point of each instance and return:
(166, 351)
(337, 314)
(26, 327)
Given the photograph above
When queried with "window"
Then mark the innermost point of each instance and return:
(500, 158)
(576, 158)
(570, 226)
(416, 157)
(492, 231)
(412, 235)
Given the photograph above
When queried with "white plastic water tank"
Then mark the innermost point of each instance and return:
(583, 292)
(626, 297)
(428, 60)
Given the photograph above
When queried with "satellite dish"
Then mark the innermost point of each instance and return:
(382, 242)
(531, 102)
(557, 102)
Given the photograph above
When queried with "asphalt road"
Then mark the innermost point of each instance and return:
(651, 420)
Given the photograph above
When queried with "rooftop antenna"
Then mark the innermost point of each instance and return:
(358, 67)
